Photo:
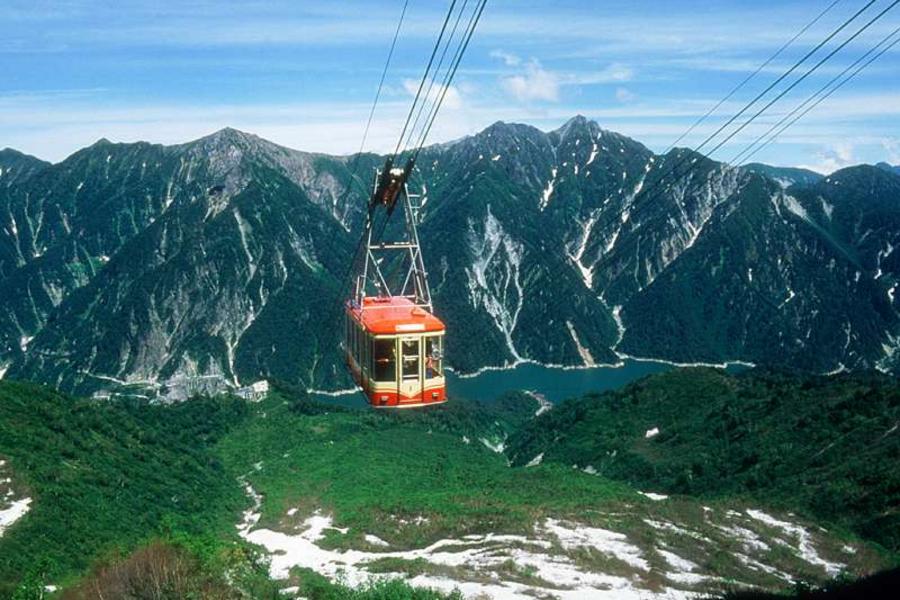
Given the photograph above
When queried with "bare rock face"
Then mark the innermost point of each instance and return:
(221, 261)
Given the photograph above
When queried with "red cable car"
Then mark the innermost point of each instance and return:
(394, 352)
(393, 344)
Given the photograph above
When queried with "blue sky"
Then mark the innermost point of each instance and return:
(303, 73)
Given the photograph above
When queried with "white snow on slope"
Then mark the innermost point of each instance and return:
(805, 546)
(536, 460)
(587, 271)
(583, 352)
(497, 447)
(682, 569)
(607, 542)
(494, 279)
(375, 540)
(13, 513)
(246, 232)
(559, 575)
(251, 516)
(654, 496)
(793, 205)
(548, 191)
(594, 153)
(550, 553)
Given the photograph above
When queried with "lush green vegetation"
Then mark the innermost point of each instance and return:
(827, 445)
(120, 485)
(409, 477)
(106, 476)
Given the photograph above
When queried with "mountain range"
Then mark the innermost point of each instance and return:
(222, 261)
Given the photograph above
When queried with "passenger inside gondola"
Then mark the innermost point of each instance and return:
(432, 357)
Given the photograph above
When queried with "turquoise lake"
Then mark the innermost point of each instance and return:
(555, 384)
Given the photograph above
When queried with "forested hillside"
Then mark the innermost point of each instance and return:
(240, 500)
(826, 445)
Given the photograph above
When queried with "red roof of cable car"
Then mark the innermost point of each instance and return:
(395, 315)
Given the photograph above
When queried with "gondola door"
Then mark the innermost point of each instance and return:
(410, 369)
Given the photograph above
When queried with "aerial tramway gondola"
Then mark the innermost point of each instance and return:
(393, 343)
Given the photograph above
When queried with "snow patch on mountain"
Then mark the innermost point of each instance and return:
(548, 191)
(12, 513)
(494, 278)
(583, 352)
(803, 539)
(586, 270)
(478, 554)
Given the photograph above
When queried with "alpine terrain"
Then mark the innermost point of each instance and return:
(223, 261)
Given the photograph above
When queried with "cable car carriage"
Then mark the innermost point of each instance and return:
(393, 343)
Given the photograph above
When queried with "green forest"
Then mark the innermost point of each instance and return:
(125, 488)
(825, 445)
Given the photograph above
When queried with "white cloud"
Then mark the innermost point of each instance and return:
(508, 58)
(536, 83)
(624, 95)
(614, 73)
(831, 159)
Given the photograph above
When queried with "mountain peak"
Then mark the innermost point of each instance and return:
(227, 135)
(575, 125)
(578, 119)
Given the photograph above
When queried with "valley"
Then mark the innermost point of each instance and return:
(287, 493)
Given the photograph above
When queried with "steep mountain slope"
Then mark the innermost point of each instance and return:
(174, 253)
(221, 261)
(826, 445)
(787, 289)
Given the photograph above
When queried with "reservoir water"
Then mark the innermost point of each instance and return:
(554, 383)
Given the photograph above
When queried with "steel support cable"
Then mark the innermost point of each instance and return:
(752, 75)
(739, 156)
(683, 159)
(473, 21)
(424, 77)
(823, 98)
(448, 77)
(355, 164)
(476, 17)
(786, 74)
(812, 70)
(434, 77)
